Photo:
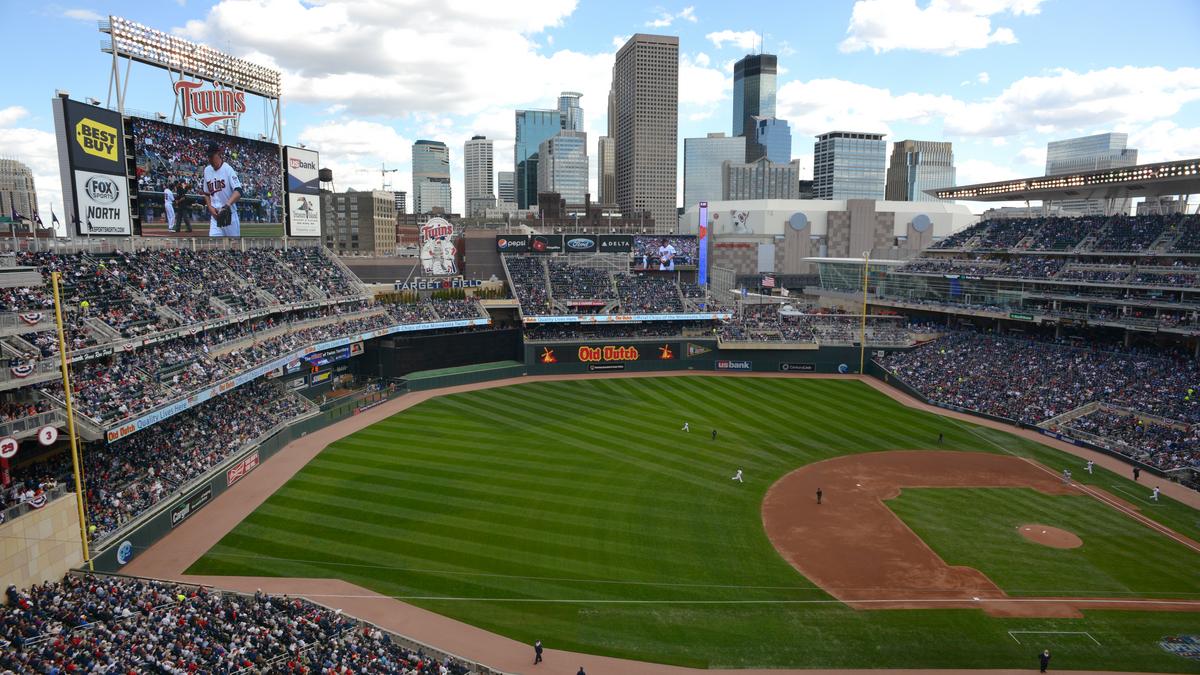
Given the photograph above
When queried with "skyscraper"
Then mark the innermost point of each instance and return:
(563, 166)
(572, 114)
(431, 176)
(753, 91)
(646, 99)
(17, 192)
(506, 190)
(918, 166)
(477, 173)
(772, 138)
(849, 165)
(760, 179)
(533, 127)
(1090, 153)
(703, 159)
(401, 201)
(606, 168)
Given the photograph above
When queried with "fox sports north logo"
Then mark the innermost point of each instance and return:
(102, 189)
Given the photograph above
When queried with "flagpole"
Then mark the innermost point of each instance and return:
(76, 459)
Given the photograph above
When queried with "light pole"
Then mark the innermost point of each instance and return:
(862, 343)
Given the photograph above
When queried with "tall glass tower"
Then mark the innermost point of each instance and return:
(563, 166)
(572, 114)
(753, 91)
(849, 165)
(772, 139)
(533, 127)
(918, 166)
(431, 176)
(1090, 153)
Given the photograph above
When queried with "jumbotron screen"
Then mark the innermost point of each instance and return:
(172, 185)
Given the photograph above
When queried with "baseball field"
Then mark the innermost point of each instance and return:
(579, 513)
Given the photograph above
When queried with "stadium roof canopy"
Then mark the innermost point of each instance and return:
(1181, 177)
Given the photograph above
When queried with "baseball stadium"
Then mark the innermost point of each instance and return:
(923, 441)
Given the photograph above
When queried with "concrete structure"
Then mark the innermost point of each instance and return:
(17, 190)
(646, 100)
(478, 172)
(1177, 177)
(572, 113)
(401, 201)
(753, 92)
(918, 166)
(1090, 153)
(361, 222)
(1162, 206)
(772, 139)
(431, 176)
(606, 169)
(563, 166)
(849, 165)
(703, 166)
(781, 233)
(556, 213)
(761, 179)
(42, 544)
(506, 189)
(533, 127)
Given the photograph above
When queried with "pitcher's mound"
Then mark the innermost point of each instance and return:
(1049, 536)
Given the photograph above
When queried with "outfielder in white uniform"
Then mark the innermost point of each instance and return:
(222, 188)
(1154, 495)
(169, 207)
(738, 476)
(686, 427)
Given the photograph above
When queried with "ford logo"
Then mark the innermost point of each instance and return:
(102, 189)
(580, 243)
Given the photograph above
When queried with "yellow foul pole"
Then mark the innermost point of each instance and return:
(76, 459)
(862, 342)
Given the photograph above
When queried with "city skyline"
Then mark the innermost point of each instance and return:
(1000, 83)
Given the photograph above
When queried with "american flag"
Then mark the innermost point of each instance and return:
(768, 281)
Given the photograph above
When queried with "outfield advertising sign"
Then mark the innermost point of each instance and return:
(608, 353)
(725, 364)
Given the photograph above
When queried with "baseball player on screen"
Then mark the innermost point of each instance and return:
(169, 207)
(222, 190)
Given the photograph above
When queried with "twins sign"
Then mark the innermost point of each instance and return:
(209, 105)
(439, 255)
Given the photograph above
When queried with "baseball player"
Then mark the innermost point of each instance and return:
(1090, 465)
(1153, 495)
(738, 476)
(169, 207)
(1066, 476)
(686, 427)
(222, 190)
(666, 257)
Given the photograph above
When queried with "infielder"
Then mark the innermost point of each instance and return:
(738, 476)
(1090, 464)
(1153, 495)
(222, 190)
(169, 207)
(1066, 476)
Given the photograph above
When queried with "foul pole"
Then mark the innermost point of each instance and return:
(862, 341)
(76, 460)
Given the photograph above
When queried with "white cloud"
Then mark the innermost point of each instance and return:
(746, 39)
(11, 114)
(822, 105)
(1164, 141)
(983, 78)
(945, 27)
(1034, 157)
(666, 18)
(82, 15)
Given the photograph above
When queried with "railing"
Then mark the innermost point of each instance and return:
(33, 422)
(23, 508)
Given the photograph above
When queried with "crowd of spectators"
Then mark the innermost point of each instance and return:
(609, 331)
(571, 282)
(1062, 234)
(648, 294)
(529, 281)
(1111, 275)
(1146, 440)
(454, 310)
(90, 624)
(824, 328)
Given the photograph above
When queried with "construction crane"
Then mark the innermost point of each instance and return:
(383, 179)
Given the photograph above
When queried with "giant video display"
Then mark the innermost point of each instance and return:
(172, 182)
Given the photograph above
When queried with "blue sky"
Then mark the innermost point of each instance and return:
(363, 79)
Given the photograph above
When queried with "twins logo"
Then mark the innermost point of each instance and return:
(438, 253)
(209, 105)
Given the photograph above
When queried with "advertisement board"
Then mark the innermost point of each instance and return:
(102, 202)
(170, 164)
(702, 272)
(95, 186)
(303, 192)
(724, 364)
(512, 243)
(546, 243)
(580, 243)
(608, 353)
(440, 250)
(616, 243)
(94, 138)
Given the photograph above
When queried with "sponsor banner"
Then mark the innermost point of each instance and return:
(367, 406)
(319, 378)
(208, 105)
(615, 243)
(190, 504)
(102, 202)
(435, 283)
(298, 383)
(356, 349)
(512, 243)
(702, 274)
(546, 243)
(629, 318)
(724, 364)
(607, 353)
(581, 243)
(694, 350)
(1020, 316)
(133, 426)
(600, 367)
(330, 356)
(302, 168)
(304, 216)
(238, 471)
(439, 254)
(798, 367)
(94, 137)
(293, 366)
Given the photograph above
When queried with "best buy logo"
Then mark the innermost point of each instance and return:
(97, 139)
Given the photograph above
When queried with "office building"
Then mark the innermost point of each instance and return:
(1162, 206)
(17, 192)
(401, 201)
(772, 138)
(478, 172)
(918, 166)
(753, 91)
(646, 100)
(1090, 153)
(606, 168)
(849, 165)
(533, 127)
(563, 166)
(703, 166)
(431, 177)
(572, 114)
(506, 191)
(359, 222)
(760, 179)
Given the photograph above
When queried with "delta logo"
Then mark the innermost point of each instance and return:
(96, 139)
(209, 105)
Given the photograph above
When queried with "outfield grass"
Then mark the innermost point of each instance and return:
(578, 512)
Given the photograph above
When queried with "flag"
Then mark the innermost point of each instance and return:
(53, 217)
(37, 219)
(768, 281)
